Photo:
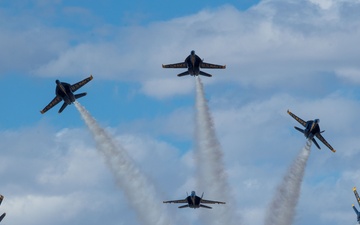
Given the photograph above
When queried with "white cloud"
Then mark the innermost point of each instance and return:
(275, 52)
(264, 46)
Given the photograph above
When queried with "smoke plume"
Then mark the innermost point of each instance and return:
(212, 178)
(281, 211)
(137, 189)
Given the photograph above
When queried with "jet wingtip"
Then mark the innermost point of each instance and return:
(91, 77)
(354, 188)
(42, 112)
(288, 111)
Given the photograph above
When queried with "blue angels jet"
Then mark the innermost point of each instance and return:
(194, 201)
(4, 214)
(65, 91)
(193, 63)
(312, 130)
(358, 200)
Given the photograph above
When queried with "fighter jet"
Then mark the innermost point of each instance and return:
(358, 200)
(312, 129)
(65, 91)
(194, 201)
(193, 63)
(4, 214)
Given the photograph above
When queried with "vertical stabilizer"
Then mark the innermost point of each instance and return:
(355, 209)
(63, 107)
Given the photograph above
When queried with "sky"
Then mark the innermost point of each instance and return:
(280, 54)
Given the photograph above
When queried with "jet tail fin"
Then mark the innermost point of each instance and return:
(205, 206)
(183, 74)
(205, 74)
(183, 206)
(2, 216)
(315, 142)
(79, 95)
(355, 209)
(63, 107)
(299, 129)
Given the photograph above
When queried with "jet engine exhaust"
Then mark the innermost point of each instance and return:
(211, 172)
(137, 189)
(281, 210)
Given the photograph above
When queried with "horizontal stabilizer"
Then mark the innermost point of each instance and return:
(183, 206)
(205, 206)
(63, 107)
(299, 129)
(205, 74)
(2, 216)
(315, 142)
(79, 95)
(183, 74)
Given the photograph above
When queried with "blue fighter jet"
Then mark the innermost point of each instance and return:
(65, 91)
(193, 63)
(4, 214)
(194, 201)
(312, 130)
(358, 200)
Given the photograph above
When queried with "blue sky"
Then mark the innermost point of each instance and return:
(280, 54)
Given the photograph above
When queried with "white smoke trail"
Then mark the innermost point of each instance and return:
(212, 176)
(138, 191)
(281, 210)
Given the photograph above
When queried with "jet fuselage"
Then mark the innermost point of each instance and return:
(193, 64)
(312, 128)
(64, 91)
(193, 200)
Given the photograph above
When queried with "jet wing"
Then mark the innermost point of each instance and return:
(177, 201)
(211, 202)
(1, 199)
(54, 102)
(322, 139)
(302, 122)
(175, 65)
(356, 195)
(78, 85)
(211, 66)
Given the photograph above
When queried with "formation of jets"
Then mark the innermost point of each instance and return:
(4, 214)
(193, 63)
(193, 201)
